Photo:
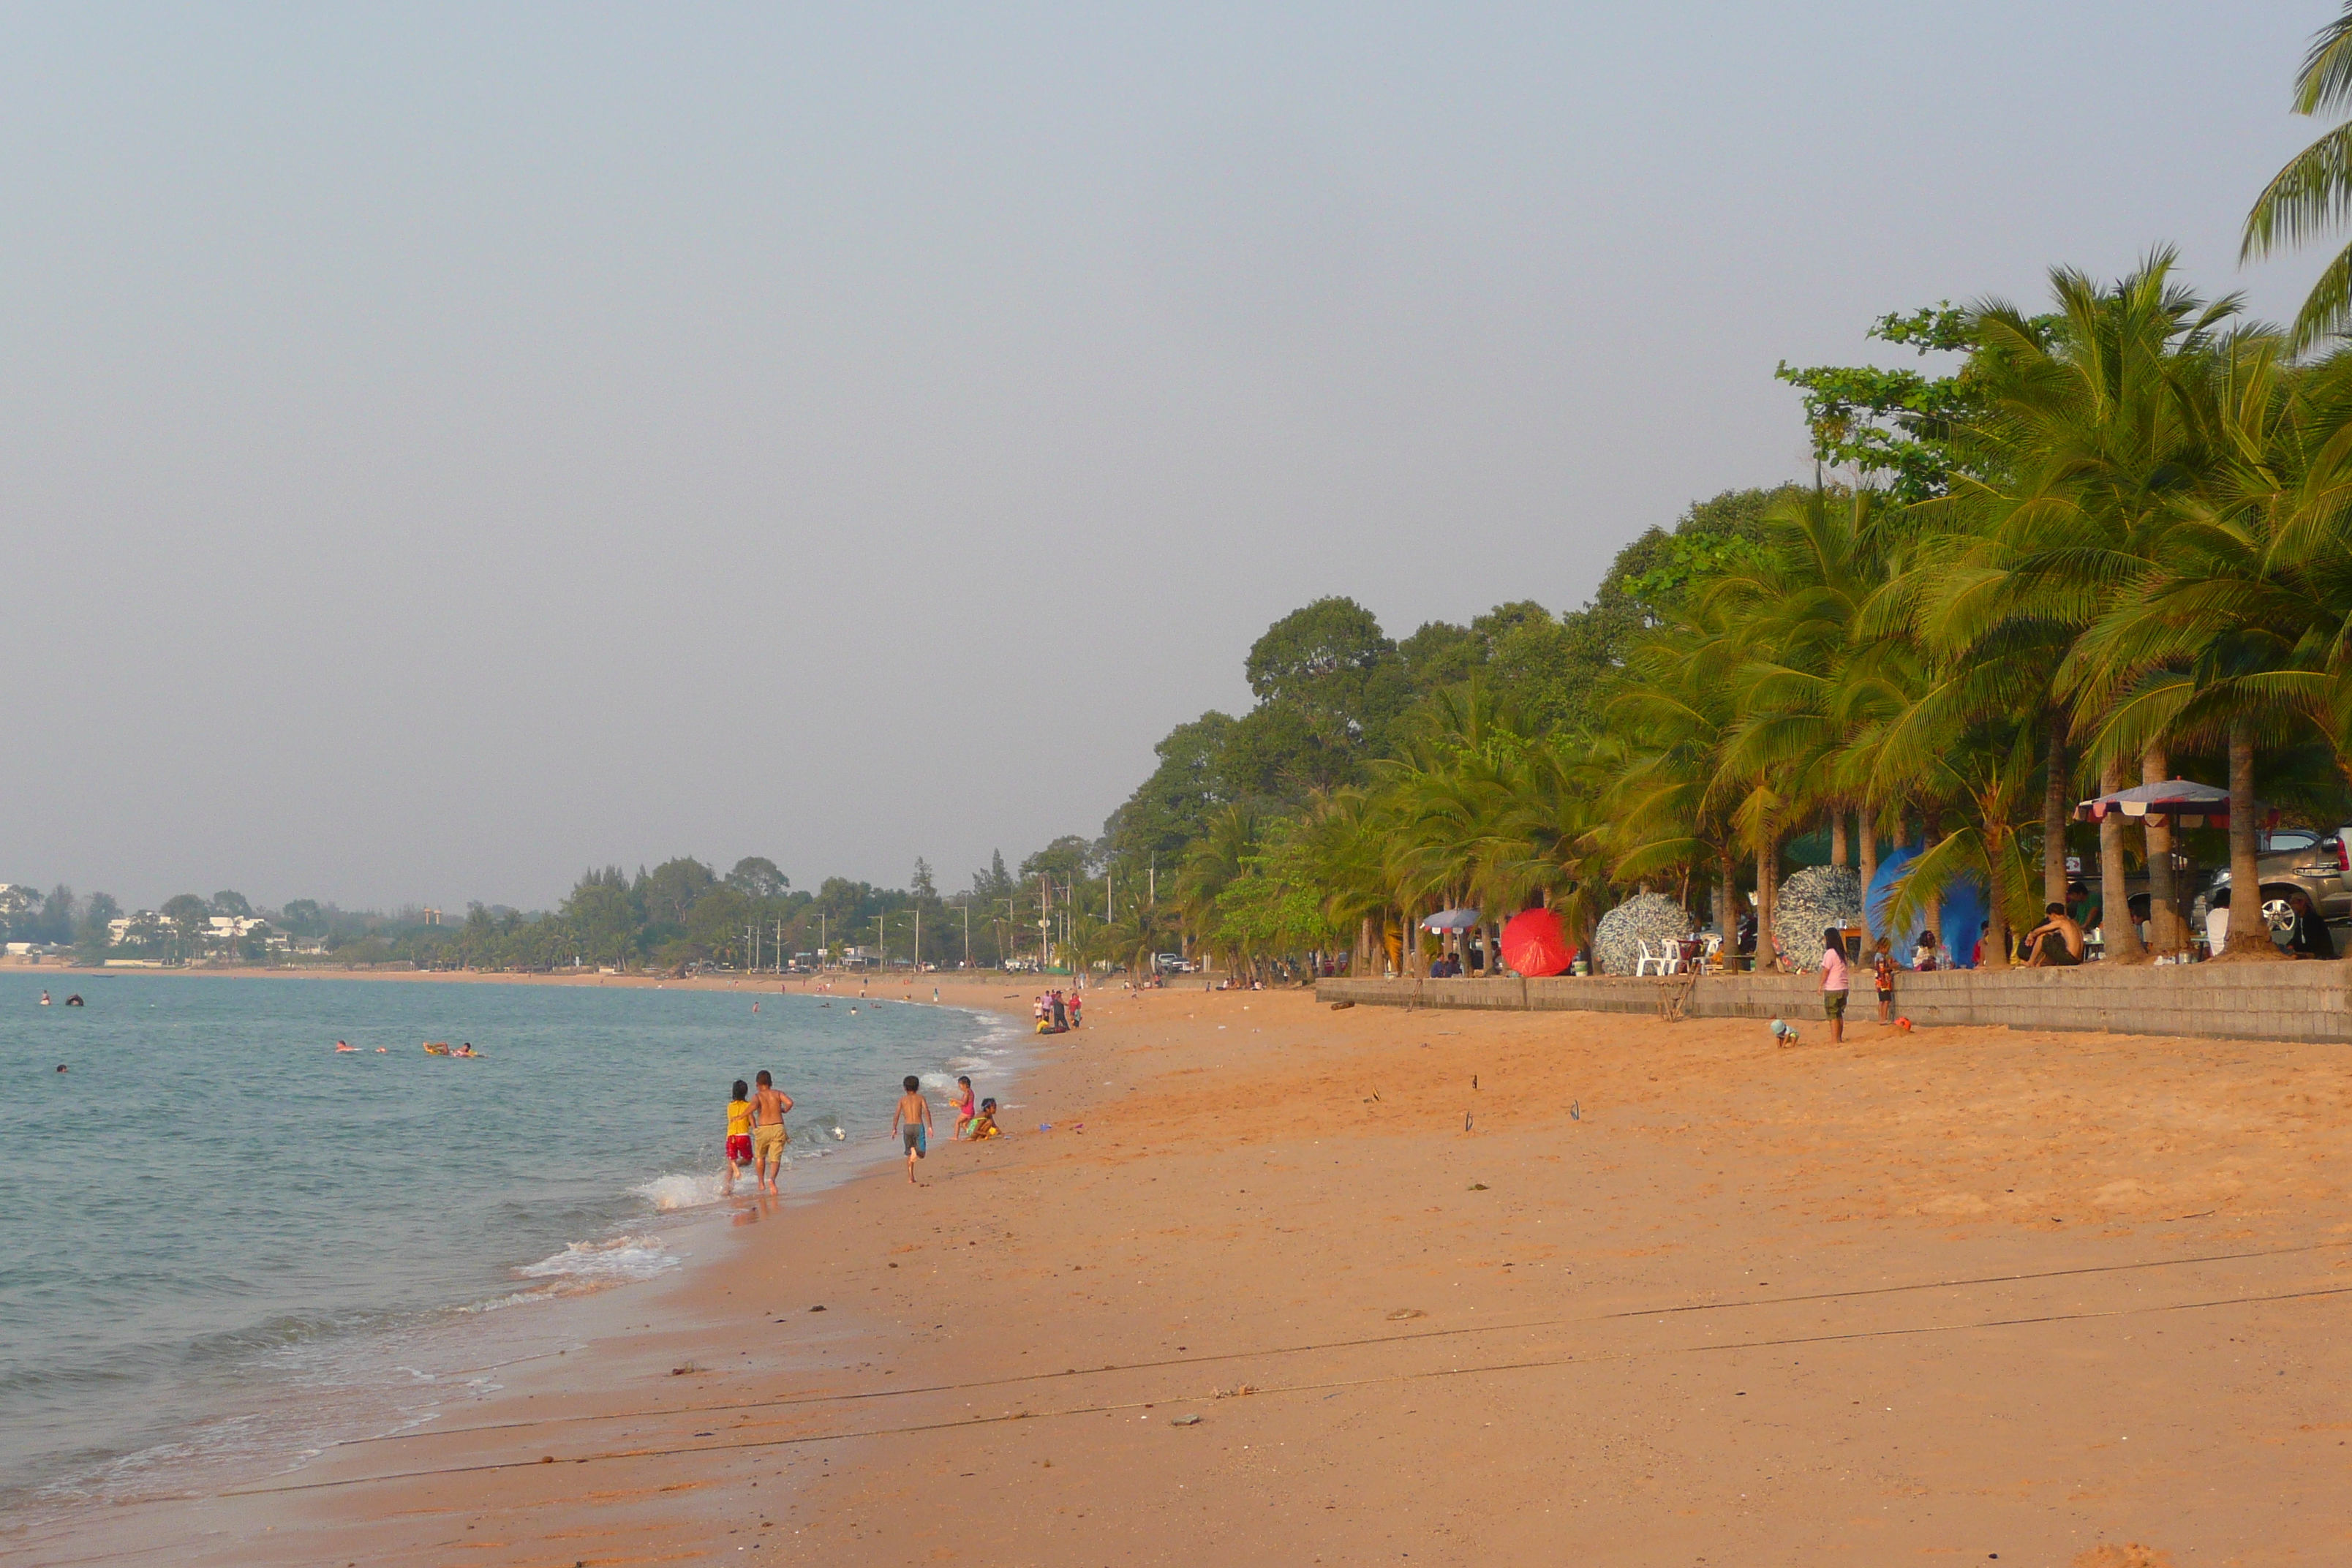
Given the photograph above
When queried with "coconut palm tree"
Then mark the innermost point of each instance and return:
(2103, 421)
(2313, 192)
(1675, 803)
(2239, 631)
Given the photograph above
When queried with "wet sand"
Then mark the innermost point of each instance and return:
(1456, 1290)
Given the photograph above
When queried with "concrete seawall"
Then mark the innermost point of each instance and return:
(2308, 1001)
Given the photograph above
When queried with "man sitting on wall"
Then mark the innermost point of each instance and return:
(2056, 943)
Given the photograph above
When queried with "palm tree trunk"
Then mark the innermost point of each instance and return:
(2163, 928)
(2250, 934)
(1931, 919)
(1837, 837)
(2054, 805)
(1726, 890)
(1867, 868)
(1996, 936)
(2117, 930)
(1767, 888)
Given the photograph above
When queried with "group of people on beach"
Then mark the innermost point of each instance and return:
(1056, 1012)
(756, 1136)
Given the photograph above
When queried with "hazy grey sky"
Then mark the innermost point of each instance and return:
(447, 446)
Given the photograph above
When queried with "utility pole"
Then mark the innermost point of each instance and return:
(967, 933)
(882, 941)
(779, 947)
(822, 945)
(918, 939)
(1154, 883)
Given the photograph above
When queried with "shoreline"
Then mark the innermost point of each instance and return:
(495, 1339)
(1468, 1286)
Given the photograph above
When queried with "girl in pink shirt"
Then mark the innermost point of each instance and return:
(1834, 981)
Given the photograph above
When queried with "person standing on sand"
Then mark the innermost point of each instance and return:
(912, 1122)
(738, 1137)
(1884, 969)
(1076, 1001)
(1835, 981)
(768, 1107)
(1061, 1012)
(963, 1105)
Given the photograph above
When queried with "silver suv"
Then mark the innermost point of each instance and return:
(2292, 857)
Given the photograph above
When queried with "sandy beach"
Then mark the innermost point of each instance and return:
(1284, 1284)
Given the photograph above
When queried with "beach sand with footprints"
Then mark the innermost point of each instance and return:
(1372, 1286)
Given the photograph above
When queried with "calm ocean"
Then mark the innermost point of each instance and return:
(224, 1244)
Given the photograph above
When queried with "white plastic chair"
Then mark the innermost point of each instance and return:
(1710, 947)
(1642, 964)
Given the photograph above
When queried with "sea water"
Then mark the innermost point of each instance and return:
(223, 1244)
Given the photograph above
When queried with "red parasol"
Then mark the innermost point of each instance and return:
(1533, 944)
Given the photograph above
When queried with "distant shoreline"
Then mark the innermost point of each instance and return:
(903, 987)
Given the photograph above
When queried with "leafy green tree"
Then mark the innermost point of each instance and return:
(55, 920)
(671, 890)
(96, 934)
(756, 878)
(188, 915)
(1894, 427)
(1440, 653)
(232, 903)
(994, 883)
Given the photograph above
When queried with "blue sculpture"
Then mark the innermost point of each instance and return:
(1963, 909)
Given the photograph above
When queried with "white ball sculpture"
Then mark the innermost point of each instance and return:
(1807, 902)
(1652, 918)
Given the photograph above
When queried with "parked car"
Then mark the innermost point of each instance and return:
(2298, 857)
(1172, 964)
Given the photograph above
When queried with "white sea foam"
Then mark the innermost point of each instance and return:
(679, 1191)
(611, 1262)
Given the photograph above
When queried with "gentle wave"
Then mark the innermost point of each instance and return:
(623, 1257)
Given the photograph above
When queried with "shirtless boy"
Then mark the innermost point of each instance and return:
(912, 1122)
(2056, 943)
(768, 1107)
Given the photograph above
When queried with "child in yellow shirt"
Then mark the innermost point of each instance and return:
(738, 1136)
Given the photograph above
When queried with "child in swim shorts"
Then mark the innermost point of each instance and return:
(738, 1135)
(912, 1122)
